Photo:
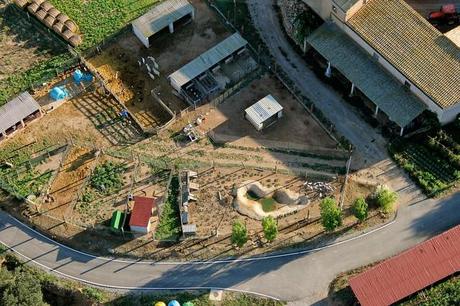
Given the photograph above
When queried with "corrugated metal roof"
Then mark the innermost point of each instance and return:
(345, 5)
(208, 59)
(454, 36)
(161, 15)
(357, 66)
(16, 110)
(142, 211)
(413, 46)
(410, 271)
(263, 109)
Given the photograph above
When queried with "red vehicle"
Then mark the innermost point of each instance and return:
(449, 14)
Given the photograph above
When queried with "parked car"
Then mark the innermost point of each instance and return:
(448, 14)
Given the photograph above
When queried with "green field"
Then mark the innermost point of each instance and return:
(99, 19)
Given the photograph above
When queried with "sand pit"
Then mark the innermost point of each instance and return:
(249, 199)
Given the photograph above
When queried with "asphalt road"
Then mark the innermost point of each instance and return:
(303, 277)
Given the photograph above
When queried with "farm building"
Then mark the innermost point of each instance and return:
(194, 81)
(400, 73)
(162, 16)
(142, 212)
(17, 113)
(413, 270)
(264, 113)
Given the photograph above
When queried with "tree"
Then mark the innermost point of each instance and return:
(359, 209)
(270, 227)
(239, 233)
(331, 216)
(24, 291)
(385, 198)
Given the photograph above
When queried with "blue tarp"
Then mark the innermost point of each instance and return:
(58, 93)
(79, 76)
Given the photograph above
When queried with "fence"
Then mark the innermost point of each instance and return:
(269, 62)
(240, 143)
(101, 80)
(45, 190)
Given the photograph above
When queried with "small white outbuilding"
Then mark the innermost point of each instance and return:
(264, 113)
(161, 16)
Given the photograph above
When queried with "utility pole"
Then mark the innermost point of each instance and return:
(342, 196)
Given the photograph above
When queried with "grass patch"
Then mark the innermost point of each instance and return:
(99, 19)
(35, 76)
(268, 204)
(169, 227)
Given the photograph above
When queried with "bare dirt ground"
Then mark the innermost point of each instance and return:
(21, 46)
(118, 64)
(65, 187)
(295, 127)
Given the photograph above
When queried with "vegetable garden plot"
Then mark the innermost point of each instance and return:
(432, 160)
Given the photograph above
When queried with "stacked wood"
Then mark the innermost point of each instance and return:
(75, 40)
(49, 21)
(33, 8)
(67, 34)
(54, 12)
(58, 27)
(71, 26)
(21, 3)
(40, 14)
(62, 17)
(46, 6)
(53, 18)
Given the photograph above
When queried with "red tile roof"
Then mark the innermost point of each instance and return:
(410, 271)
(142, 211)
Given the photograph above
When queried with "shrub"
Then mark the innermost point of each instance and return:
(331, 216)
(359, 209)
(107, 178)
(239, 233)
(270, 227)
(385, 199)
(24, 290)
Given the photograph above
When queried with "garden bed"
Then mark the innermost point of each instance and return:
(431, 159)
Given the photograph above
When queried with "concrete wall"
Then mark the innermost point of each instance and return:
(140, 229)
(144, 40)
(326, 8)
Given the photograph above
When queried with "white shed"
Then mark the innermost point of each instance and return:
(264, 113)
(161, 16)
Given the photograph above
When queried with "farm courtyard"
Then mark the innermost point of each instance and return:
(83, 160)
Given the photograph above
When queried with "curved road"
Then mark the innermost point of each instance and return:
(302, 277)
